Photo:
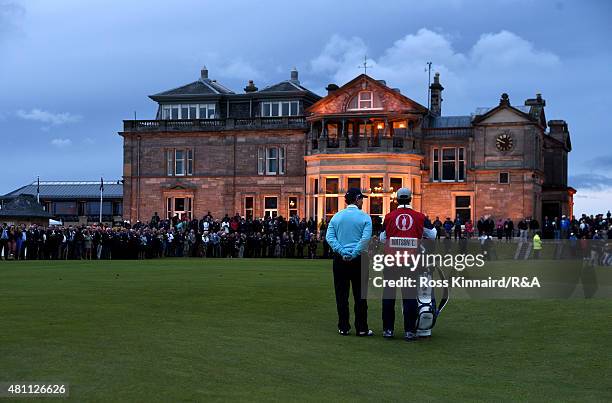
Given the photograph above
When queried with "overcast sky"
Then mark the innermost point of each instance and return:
(71, 71)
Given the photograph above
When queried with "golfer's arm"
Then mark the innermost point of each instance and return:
(332, 240)
(365, 238)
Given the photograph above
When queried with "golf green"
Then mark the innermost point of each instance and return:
(194, 330)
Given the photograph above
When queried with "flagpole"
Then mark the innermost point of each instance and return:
(101, 192)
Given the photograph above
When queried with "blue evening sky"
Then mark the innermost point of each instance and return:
(71, 71)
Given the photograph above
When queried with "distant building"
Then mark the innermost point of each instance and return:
(283, 150)
(24, 209)
(75, 202)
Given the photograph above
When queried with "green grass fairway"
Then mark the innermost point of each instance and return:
(192, 329)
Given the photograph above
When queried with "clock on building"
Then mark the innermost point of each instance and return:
(504, 142)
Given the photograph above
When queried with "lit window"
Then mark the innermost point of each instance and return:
(331, 185)
(293, 206)
(395, 184)
(354, 183)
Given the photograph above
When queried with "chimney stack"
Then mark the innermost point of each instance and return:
(435, 100)
(250, 87)
(294, 76)
(331, 88)
(204, 73)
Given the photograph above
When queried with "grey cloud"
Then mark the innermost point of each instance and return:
(591, 181)
(10, 15)
(603, 162)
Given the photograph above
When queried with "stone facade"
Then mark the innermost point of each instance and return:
(283, 150)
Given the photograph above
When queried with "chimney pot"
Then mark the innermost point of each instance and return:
(250, 87)
(294, 75)
(204, 73)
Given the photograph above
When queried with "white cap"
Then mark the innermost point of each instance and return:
(404, 193)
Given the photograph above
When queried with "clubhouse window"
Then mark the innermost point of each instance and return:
(331, 186)
(376, 206)
(280, 108)
(504, 177)
(249, 207)
(271, 161)
(395, 184)
(179, 162)
(448, 164)
(354, 183)
(270, 206)
(331, 207)
(189, 111)
(293, 206)
(376, 185)
(180, 206)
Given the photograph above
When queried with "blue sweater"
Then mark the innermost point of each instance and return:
(349, 231)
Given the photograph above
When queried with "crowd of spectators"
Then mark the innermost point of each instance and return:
(584, 227)
(228, 237)
(239, 237)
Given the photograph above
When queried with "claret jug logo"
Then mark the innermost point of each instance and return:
(404, 222)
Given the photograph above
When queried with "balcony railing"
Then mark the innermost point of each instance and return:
(355, 144)
(294, 122)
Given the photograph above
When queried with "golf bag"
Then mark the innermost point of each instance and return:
(427, 311)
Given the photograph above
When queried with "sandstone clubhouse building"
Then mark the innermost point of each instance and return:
(284, 150)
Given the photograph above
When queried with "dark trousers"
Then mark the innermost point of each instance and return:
(347, 274)
(409, 302)
(409, 306)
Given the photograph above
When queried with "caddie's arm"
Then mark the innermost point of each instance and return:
(332, 239)
(365, 238)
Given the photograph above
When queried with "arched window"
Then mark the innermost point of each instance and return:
(364, 100)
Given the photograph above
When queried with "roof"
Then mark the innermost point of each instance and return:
(197, 88)
(417, 108)
(24, 206)
(287, 86)
(69, 190)
(485, 109)
(444, 122)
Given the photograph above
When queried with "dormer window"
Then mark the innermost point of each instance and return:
(189, 111)
(280, 108)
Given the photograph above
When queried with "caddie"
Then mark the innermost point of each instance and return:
(403, 230)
